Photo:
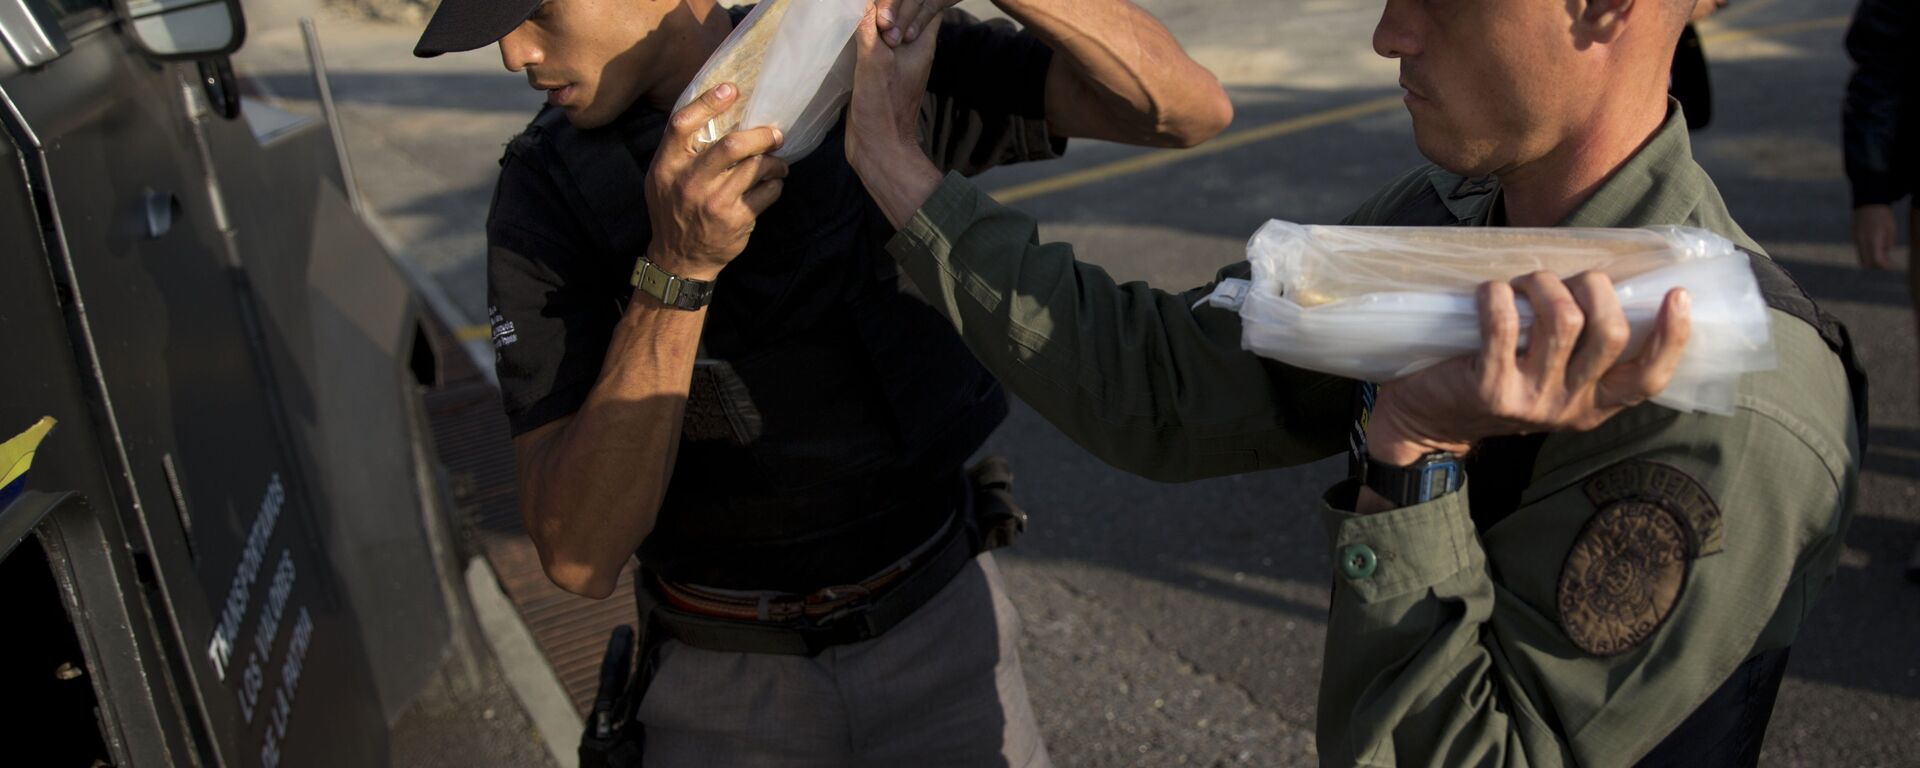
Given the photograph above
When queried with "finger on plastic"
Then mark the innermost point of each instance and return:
(1649, 374)
(753, 171)
(1606, 331)
(1499, 329)
(734, 148)
(694, 116)
(1557, 322)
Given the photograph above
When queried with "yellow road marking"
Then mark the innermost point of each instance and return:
(473, 333)
(1165, 157)
(1774, 30)
(1237, 139)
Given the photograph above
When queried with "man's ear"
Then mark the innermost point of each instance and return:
(1603, 21)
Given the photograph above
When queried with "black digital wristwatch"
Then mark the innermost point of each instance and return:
(1427, 478)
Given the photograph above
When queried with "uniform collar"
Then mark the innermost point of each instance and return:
(1659, 184)
(1473, 202)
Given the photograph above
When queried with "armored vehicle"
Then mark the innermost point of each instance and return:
(226, 551)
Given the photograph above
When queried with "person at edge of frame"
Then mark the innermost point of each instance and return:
(1688, 81)
(1531, 565)
(1880, 126)
(787, 461)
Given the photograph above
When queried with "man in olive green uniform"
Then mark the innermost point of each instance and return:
(1621, 594)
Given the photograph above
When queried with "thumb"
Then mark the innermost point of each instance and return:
(866, 38)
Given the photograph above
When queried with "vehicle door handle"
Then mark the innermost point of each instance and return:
(161, 209)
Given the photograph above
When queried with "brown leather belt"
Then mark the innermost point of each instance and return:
(819, 605)
(703, 618)
(806, 624)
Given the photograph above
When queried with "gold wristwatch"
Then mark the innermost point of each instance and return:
(671, 289)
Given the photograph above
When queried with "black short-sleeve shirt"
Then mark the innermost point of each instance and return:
(828, 393)
(554, 296)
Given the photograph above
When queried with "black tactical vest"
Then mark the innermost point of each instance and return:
(832, 407)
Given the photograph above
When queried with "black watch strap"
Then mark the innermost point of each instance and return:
(1427, 478)
(672, 290)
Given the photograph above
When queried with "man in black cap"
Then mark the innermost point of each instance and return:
(782, 442)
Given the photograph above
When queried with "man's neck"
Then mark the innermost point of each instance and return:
(1545, 192)
(686, 54)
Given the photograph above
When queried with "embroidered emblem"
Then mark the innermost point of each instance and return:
(1623, 576)
(1673, 489)
(504, 333)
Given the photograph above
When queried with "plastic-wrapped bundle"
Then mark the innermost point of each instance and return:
(792, 61)
(1378, 303)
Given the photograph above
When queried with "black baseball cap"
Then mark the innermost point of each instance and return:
(463, 25)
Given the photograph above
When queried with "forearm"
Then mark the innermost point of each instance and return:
(1120, 75)
(898, 177)
(1130, 373)
(591, 493)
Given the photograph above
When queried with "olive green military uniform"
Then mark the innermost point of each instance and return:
(1643, 562)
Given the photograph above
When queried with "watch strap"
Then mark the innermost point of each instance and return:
(1427, 478)
(672, 290)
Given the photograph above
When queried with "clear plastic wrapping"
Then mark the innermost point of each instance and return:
(1378, 303)
(792, 61)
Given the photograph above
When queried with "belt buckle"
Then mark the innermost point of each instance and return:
(851, 593)
(840, 603)
(844, 626)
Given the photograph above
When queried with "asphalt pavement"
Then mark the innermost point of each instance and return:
(1182, 624)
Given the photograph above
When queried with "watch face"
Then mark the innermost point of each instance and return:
(1439, 478)
(1432, 476)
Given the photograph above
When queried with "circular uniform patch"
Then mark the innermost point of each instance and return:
(1622, 577)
